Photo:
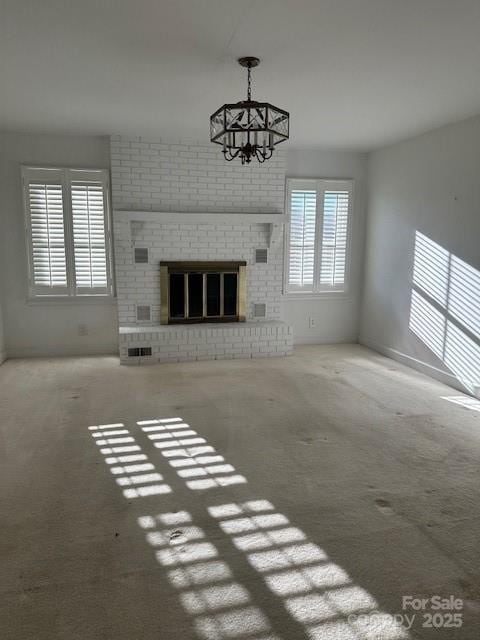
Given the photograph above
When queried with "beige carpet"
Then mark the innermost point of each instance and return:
(290, 498)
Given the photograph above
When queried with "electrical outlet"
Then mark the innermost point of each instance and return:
(311, 323)
(82, 330)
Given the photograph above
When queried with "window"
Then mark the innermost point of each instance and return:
(68, 232)
(317, 237)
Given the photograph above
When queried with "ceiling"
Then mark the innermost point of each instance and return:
(353, 73)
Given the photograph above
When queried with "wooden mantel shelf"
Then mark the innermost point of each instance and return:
(275, 220)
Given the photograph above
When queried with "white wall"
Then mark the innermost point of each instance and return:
(3, 354)
(45, 328)
(431, 185)
(335, 315)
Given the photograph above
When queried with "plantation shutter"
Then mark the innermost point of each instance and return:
(303, 212)
(334, 237)
(89, 236)
(317, 238)
(68, 233)
(45, 221)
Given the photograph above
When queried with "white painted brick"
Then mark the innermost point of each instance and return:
(193, 342)
(197, 169)
(153, 174)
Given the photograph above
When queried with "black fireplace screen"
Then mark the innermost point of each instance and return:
(212, 292)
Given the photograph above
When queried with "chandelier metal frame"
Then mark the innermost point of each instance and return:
(249, 129)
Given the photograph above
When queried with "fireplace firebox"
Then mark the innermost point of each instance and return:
(202, 292)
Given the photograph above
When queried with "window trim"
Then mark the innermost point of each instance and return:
(70, 294)
(320, 185)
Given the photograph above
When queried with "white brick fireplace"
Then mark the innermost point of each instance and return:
(182, 202)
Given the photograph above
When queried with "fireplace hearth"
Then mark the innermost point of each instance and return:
(211, 291)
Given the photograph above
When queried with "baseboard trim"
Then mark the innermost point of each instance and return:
(110, 350)
(414, 363)
(318, 340)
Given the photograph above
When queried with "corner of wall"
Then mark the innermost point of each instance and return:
(361, 337)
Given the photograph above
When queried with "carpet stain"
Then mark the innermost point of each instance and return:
(384, 506)
(178, 537)
(311, 440)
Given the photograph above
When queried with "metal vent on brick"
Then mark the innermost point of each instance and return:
(135, 352)
(143, 313)
(261, 256)
(259, 310)
(141, 255)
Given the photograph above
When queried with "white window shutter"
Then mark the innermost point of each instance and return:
(336, 206)
(89, 236)
(317, 240)
(68, 231)
(301, 255)
(45, 221)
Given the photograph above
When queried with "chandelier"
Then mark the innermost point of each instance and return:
(249, 129)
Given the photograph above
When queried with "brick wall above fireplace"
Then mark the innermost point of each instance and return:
(157, 175)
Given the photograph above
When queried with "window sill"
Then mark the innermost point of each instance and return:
(315, 295)
(47, 301)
